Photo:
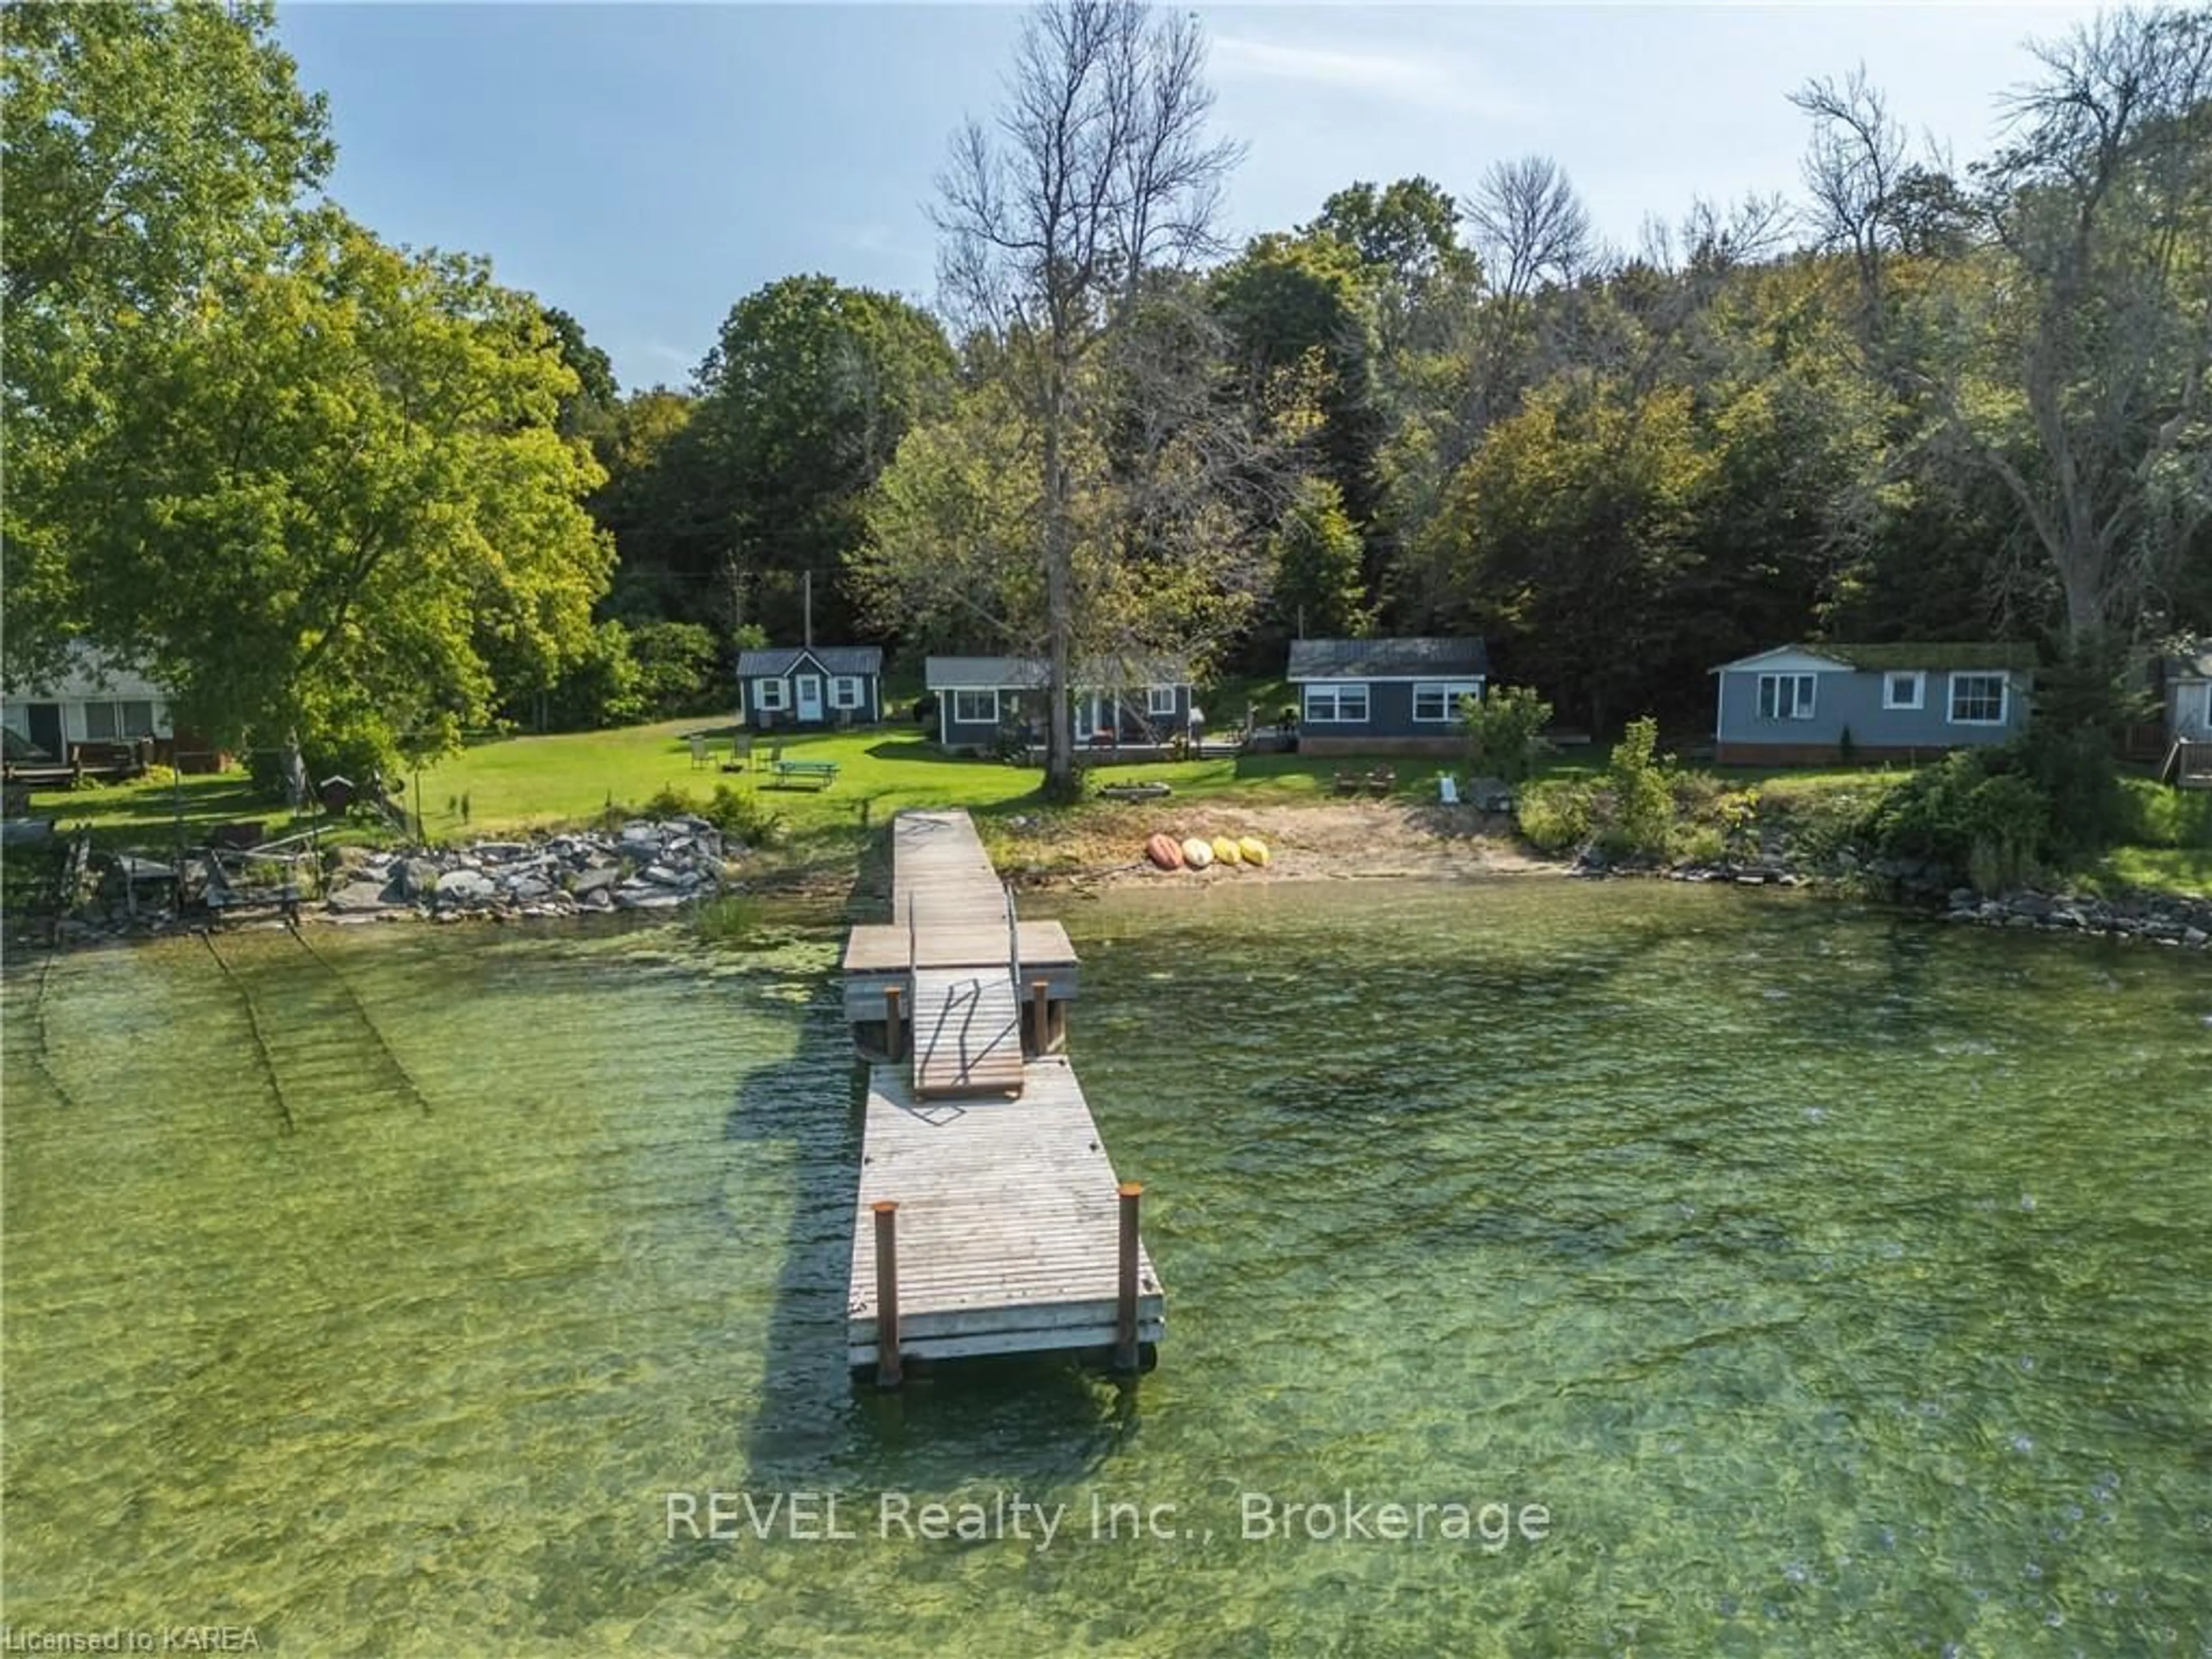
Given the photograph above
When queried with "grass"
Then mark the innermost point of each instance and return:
(516, 784)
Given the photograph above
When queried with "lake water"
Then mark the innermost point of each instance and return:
(1831, 1283)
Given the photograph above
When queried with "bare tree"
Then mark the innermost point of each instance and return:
(1852, 170)
(1099, 170)
(1530, 225)
(2101, 207)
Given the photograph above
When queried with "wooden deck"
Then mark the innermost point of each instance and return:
(1008, 1226)
(1008, 1219)
(967, 1033)
(882, 948)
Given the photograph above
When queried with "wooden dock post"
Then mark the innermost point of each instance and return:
(887, 1319)
(1041, 1015)
(893, 1037)
(1125, 1322)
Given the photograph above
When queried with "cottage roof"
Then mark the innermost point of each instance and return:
(834, 659)
(1398, 659)
(943, 673)
(88, 671)
(2191, 660)
(1885, 658)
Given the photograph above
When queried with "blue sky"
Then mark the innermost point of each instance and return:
(646, 166)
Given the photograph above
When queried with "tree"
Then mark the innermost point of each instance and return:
(1295, 312)
(337, 508)
(802, 402)
(1101, 173)
(595, 391)
(1574, 521)
(2081, 351)
(148, 149)
(1503, 730)
(1318, 589)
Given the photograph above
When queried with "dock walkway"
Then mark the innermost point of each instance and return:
(982, 1171)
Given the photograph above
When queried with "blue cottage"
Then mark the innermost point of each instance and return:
(1811, 705)
(810, 686)
(1392, 696)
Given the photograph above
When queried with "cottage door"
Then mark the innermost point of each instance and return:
(808, 690)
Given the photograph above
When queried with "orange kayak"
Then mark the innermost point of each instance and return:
(1165, 851)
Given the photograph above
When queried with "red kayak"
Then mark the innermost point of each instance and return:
(1165, 851)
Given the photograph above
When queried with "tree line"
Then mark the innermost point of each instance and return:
(337, 488)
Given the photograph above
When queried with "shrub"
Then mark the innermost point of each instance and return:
(668, 802)
(1975, 810)
(1703, 844)
(739, 814)
(674, 664)
(604, 687)
(1640, 785)
(1554, 817)
(1501, 731)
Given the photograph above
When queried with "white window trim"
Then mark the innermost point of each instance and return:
(1453, 691)
(1799, 711)
(771, 696)
(845, 691)
(952, 706)
(1919, 679)
(2005, 696)
(1159, 700)
(1335, 691)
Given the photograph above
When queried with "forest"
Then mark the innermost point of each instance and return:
(369, 499)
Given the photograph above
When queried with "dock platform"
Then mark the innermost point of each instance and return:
(1007, 1223)
(987, 1196)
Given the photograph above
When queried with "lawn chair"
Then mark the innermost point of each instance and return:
(1341, 785)
(1381, 783)
(699, 755)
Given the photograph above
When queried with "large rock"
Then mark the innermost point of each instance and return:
(585, 883)
(418, 877)
(465, 887)
(358, 896)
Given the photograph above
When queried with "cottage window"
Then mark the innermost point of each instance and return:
(105, 722)
(1978, 699)
(1160, 700)
(975, 708)
(1435, 704)
(1786, 696)
(845, 691)
(771, 696)
(1904, 691)
(1336, 705)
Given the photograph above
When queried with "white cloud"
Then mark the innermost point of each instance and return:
(1435, 80)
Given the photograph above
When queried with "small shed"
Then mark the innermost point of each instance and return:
(1813, 705)
(1385, 696)
(799, 687)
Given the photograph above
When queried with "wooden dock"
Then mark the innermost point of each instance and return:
(987, 1198)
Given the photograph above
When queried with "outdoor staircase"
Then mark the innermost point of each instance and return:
(967, 1034)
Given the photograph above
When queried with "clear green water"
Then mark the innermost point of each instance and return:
(1839, 1285)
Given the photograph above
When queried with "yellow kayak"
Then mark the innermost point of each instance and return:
(1254, 851)
(1227, 851)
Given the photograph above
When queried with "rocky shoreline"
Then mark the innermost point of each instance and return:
(647, 864)
(2180, 921)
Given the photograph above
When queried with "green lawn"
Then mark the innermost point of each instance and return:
(515, 784)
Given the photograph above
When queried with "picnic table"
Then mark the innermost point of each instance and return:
(814, 774)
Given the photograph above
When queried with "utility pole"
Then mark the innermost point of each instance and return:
(806, 587)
